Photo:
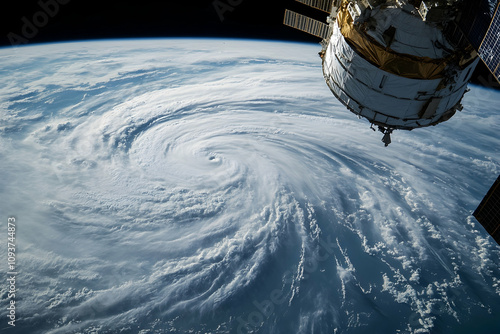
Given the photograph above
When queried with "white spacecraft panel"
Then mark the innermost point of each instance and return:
(489, 51)
(306, 24)
(411, 34)
(324, 5)
(383, 97)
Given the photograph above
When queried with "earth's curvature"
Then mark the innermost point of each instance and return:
(217, 186)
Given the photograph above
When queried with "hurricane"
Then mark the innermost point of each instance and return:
(217, 186)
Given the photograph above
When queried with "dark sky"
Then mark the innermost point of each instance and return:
(39, 21)
(88, 19)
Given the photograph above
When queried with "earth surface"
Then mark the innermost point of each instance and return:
(217, 186)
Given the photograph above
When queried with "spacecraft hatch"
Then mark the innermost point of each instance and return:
(402, 64)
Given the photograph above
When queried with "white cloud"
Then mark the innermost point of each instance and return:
(154, 181)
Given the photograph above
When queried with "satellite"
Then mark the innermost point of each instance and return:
(403, 64)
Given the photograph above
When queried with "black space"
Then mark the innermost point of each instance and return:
(69, 20)
(79, 19)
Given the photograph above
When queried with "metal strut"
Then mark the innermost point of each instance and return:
(386, 139)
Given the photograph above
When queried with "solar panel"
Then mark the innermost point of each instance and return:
(474, 20)
(489, 50)
(488, 212)
(324, 5)
(306, 24)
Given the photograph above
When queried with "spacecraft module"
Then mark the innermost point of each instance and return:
(402, 64)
